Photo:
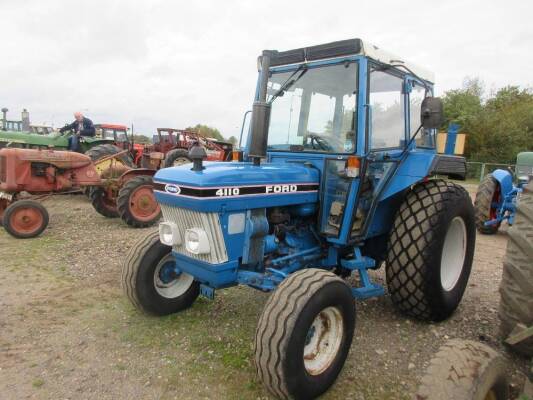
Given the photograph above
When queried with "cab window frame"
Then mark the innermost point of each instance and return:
(327, 63)
(374, 66)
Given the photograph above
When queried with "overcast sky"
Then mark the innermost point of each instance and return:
(179, 63)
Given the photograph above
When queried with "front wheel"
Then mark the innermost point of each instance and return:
(25, 219)
(304, 334)
(430, 250)
(136, 203)
(151, 280)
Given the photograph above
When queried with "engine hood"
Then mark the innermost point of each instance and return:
(226, 186)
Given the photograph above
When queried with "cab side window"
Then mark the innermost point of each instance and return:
(387, 110)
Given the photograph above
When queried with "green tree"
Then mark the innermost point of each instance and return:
(233, 140)
(497, 127)
(206, 131)
(138, 138)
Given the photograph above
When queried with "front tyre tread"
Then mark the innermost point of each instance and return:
(285, 308)
(137, 278)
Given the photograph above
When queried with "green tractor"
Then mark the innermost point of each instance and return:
(55, 140)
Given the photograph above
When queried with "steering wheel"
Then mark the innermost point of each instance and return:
(317, 142)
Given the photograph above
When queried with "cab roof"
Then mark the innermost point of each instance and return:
(345, 48)
(116, 127)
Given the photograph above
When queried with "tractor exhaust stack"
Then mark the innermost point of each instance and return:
(260, 115)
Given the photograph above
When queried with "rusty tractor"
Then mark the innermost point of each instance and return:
(175, 144)
(28, 175)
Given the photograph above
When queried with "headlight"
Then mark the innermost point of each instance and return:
(196, 241)
(169, 233)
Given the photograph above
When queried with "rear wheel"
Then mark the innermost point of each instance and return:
(104, 150)
(516, 287)
(177, 157)
(151, 280)
(465, 370)
(25, 219)
(430, 250)
(487, 196)
(304, 334)
(103, 203)
(136, 203)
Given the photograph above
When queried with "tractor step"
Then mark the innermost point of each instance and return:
(361, 264)
(207, 291)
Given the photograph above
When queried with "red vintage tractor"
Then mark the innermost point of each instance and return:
(27, 176)
(175, 144)
(170, 145)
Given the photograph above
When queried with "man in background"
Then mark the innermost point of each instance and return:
(81, 127)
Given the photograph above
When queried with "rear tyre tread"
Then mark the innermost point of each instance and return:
(516, 287)
(415, 245)
(172, 155)
(103, 150)
(464, 370)
(96, 194)
(483, 204)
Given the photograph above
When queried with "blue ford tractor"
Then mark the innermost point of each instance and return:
(336, 180)
(497, 194)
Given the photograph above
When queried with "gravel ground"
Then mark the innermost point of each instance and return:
(66, 330)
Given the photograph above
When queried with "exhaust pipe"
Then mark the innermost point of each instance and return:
(260, 115)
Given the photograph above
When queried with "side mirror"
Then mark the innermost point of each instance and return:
(431, 113)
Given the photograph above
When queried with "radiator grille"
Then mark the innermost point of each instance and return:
(209, 222)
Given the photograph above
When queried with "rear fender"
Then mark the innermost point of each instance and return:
(504, 179)
(132, 173)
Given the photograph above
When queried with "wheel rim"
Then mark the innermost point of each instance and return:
(143, 205)
(453, 254)
(323, 340)
(168, 281)
(26, 220)
(180, 161)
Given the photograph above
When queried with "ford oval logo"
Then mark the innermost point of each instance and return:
(172, 189)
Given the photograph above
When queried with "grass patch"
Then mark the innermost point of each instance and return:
(37, 383)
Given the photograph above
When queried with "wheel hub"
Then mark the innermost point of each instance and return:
(143, 204)
(323, 340)
(26, 220)
(168, 273)
(169, 281)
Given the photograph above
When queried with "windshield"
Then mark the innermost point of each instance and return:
(316, 112)
(110, 134)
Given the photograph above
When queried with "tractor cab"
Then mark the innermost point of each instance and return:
(117, 133)
(353, 112)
